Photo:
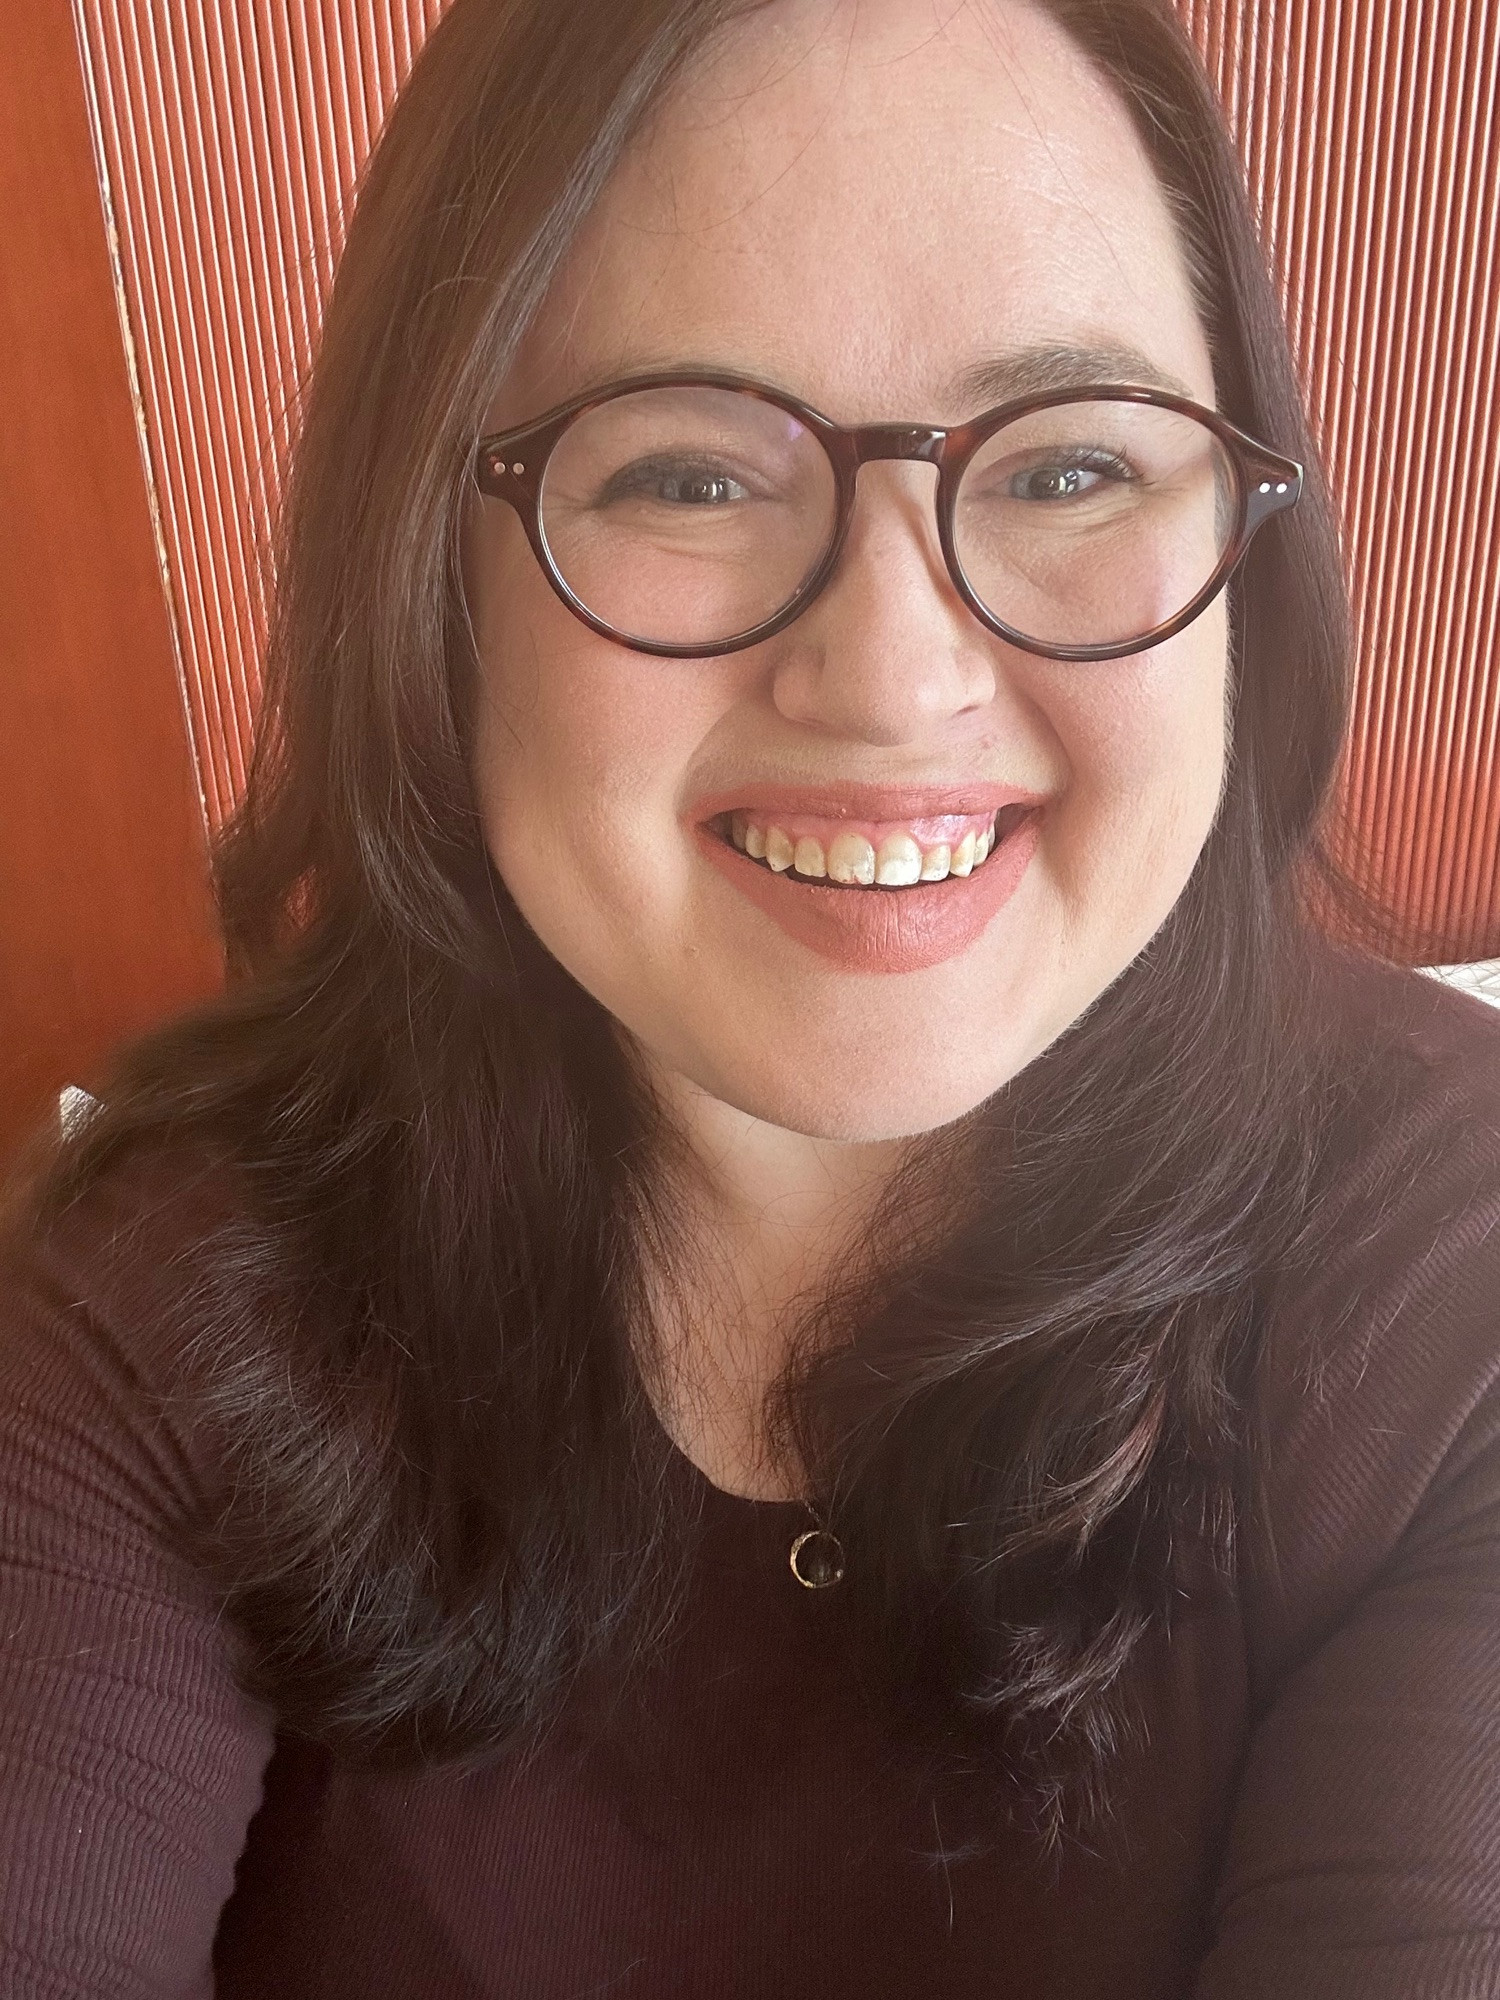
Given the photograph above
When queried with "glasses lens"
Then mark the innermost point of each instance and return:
(687, 516)
(1093, 523)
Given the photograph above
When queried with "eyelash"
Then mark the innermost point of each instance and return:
(628, 483)
(1086, 460)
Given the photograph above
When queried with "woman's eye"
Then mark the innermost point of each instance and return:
(675, 486)
(1065, 482)
(1051, 482)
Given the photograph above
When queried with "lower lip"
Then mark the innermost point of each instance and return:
(883, 930)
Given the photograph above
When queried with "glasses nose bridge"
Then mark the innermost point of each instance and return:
(912, 444)
(922, 443)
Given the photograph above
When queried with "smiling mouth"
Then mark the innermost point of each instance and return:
(890, 858)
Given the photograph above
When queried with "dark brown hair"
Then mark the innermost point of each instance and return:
(414, 1337)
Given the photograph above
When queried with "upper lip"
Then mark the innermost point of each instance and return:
(889, 803)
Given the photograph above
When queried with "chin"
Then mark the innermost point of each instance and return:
(859, 1104)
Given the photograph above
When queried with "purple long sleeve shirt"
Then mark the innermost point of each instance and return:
(1314, 1814)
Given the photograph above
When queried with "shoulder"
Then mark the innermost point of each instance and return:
(100, 1302)
(1378, 1399)
(1442, 1045)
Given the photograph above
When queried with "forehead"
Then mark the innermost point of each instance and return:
(864, 201)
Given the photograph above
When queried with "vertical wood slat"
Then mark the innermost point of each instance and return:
(106, 921)
(1373, 155)
(233, 131)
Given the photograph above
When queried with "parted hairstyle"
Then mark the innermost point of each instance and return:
(418, 1338)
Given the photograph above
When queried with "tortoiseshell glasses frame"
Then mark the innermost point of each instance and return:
(511, 466)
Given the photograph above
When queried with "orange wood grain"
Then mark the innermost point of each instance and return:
(1370, 131)
(105, 920)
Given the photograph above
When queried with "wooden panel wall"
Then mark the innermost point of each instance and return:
(1371, 135)
(233, 131)
(105, 919)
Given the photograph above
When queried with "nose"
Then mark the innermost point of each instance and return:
(888, 651)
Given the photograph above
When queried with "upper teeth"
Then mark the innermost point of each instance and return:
(850, 858)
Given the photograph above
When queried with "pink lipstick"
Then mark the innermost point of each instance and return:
(874, 879)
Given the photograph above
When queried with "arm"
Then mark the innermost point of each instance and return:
(130, 1763)
(1364, 1855)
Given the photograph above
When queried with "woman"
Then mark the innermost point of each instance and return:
(791, 1336)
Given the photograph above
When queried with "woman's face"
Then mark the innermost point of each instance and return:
(862, 202)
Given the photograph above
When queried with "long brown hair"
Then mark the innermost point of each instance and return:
(414, 1335)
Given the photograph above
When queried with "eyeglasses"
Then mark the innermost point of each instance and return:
(689, 515)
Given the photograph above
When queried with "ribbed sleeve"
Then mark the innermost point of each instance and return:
(130, 1764)
(1364, 1855)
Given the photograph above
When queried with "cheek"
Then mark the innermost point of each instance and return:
(1146, 746)
(579, 751)
(573, 774)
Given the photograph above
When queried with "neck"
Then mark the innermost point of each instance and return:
(763, 1219)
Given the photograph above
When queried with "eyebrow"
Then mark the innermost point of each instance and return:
(998, 378)
(1026, 370)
